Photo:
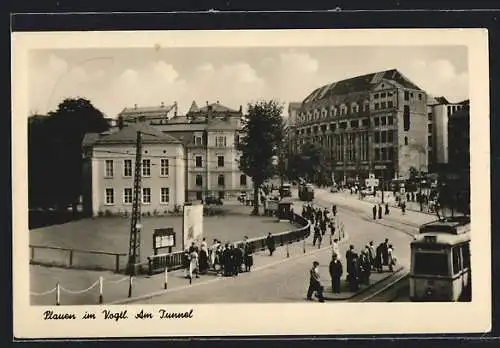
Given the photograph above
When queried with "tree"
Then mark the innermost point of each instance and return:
(55, 152)
(261, 137)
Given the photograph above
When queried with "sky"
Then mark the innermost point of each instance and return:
(113, 79)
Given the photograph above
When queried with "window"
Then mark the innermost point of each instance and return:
(390, 136)
(429, 128)
(376, 121)
(420, 96)
(383, 153)
(382, 95)
(376, 137)
(165, 195)
(429, 140)
(406, 118)
(315, 129)
(355, 124)
(323, 128)
(199, 180)
(406, 140)
(199, 195)
(237, 139)
(384, 136)
(127, 196)
(146, 167)
(376, 106)
(127, 168)
(109, 169)
(411, 95)
(448, 111)
(220, 161)
(457, 262)
(199, 162)
(198, 140)
(164, 167)
(333, 126)
(220, 180)
(377, 154)
(407, 95)
(375, 96)
(221, 194)
(243, 180)
(430, 264)
(110, 196)
(390, 104)
(390, 154)
(466, 255)
(383, 121)
(343, 125)
(383, 105)
(366, 122)
(429, 116)
(146, 195)
(390, 120)
(220, 141)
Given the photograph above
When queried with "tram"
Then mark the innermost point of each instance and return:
(306, 192)
(440, 261)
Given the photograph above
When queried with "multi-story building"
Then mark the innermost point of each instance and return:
(209, 135)
(108, 171)
(439, 111)
(371, 123)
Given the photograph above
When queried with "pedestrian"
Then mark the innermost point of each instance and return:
(203, 258)
(334, 210)
(385, 253)
(186, 260)
(193, 265)
(354, 275)
(292, 215)
(386, 208)
(379, 211)
(317, 235)
(237, 259)
(371, 254)
(270, 244)
(335, 273)
(326, 214)
(349, 258)
(403, 207)
(335, 247)
(374, 212)
(315, 285)
(379, 258)
(332, 227)
(322, 226)
(226, 261)
(392, 258)
(365, 267)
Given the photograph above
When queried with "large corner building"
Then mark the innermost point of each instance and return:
(375, 123)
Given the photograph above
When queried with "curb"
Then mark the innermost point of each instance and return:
(163, 292)
(370, 286)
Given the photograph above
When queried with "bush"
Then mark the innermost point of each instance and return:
(100, 213)
(108, 213)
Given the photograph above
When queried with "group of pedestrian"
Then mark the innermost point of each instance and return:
(321, 220)
(377, 210)
(360, 265)
(227, 259)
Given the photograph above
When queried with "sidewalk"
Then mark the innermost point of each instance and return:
(353, 202)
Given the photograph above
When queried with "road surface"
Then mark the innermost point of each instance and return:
(288, 281)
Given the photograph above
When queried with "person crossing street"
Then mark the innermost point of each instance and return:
(315, 285)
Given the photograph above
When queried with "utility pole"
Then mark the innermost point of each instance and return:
(134, 253)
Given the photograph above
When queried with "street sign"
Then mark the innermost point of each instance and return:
(371, 182)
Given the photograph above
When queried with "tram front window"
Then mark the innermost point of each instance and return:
(430, 264)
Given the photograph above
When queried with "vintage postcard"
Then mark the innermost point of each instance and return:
(221, 183)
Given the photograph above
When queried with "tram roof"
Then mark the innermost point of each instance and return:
(452, 226)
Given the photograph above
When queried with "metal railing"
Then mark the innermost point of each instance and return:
(158, 263)
(77, 258)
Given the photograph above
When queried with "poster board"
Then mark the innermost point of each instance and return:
(192, 225)
(163, 238)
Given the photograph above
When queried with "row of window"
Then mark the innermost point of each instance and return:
(127, 168)
(220, 140)
(199, 161)
(221, 180)
(384, 105)
(377, 121)
(146, 195)
(383, 137)
(384, 154)
(382, 95)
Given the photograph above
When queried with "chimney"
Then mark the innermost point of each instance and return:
(207, 103)
(120, 122)
(162, 104)
(175, 106)
(241, 108)
(135, 106)
(217, 102)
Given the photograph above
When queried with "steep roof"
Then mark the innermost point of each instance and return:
(216, 107)
(147, 111)
(128, 135)
(194, 107)
(442, 100)
(359, 84)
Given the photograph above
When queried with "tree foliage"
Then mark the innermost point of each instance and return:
(261, 137)
(55, 156)
(310, 164)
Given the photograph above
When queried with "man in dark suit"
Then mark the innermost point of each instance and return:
(315, 283)
(374, 212)
(270, 244)
(379, 211)
(385, 252)
(335, 273)
(237, 259)
(317, 235)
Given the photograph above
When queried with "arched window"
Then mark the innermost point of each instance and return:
(243, 180)
(406, 140)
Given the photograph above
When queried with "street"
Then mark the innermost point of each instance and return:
(288, 281)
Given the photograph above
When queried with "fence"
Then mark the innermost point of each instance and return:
(77, 258)
(158, 263)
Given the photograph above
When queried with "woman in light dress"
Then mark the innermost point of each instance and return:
(392, 257)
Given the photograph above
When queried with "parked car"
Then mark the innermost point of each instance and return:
(213, 201)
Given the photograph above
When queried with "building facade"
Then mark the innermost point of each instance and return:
(108, 171)
(209, 135)
(439, 111)
(375, 123)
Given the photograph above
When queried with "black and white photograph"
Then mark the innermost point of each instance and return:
(168, 176)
